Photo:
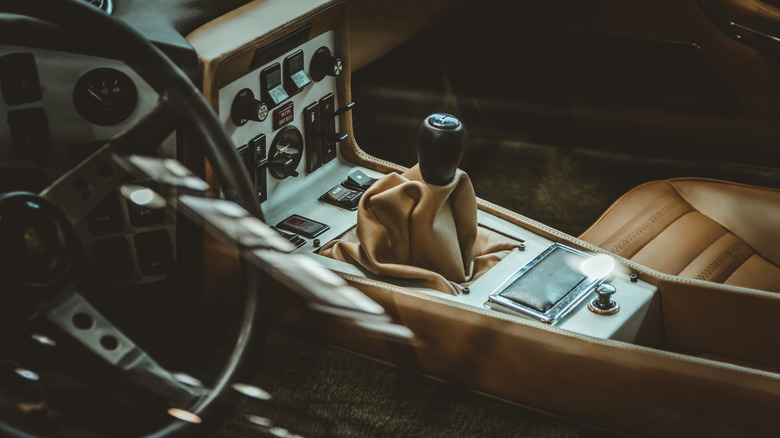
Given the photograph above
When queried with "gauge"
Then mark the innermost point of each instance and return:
(285, 153)
(105, 96)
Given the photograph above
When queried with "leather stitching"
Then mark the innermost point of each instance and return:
(644, 226)
(725, 231)
(727, 254)
(760, 8)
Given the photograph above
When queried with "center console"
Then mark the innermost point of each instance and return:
(284, 102)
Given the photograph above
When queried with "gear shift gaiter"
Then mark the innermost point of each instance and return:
(422, 225)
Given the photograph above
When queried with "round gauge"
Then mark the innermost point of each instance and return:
(285, 153)
(105, 96)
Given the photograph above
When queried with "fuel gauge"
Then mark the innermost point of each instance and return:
(105, 96)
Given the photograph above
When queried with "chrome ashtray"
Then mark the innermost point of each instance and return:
(551, 285)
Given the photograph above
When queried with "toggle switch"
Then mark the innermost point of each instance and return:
(328, 132)
(294, 76)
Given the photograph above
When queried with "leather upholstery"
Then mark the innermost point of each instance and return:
(696, 228)
(755, 14)
(413, 230)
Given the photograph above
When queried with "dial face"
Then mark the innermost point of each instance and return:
(285, 153)
(105, 96)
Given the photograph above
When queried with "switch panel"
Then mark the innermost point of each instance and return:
(271, 85)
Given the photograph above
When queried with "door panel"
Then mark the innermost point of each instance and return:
(660, 70)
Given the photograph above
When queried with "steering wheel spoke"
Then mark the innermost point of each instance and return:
(80, 320)
(81, 189)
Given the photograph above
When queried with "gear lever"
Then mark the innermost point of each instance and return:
(440, 148)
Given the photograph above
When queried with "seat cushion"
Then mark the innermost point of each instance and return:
(697, 228)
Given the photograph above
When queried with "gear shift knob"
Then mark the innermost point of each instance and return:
(440, 148)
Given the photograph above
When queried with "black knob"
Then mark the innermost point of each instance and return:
(323, 63)
(440, 148)
(245, 108)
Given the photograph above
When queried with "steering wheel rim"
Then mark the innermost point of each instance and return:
(181, 97)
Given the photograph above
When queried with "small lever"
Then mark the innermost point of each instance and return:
(344, 109)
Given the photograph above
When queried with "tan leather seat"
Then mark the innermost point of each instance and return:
(697, 228)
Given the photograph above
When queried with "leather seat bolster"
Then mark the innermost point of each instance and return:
(750, 213)
(697, 228)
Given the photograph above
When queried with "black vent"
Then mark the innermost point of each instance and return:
(105, 5)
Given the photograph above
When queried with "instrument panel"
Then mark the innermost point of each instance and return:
(282, 115)
(59, 108)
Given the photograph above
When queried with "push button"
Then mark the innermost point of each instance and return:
(342, 197)
(141, 216)
(29, 132)
(271, 85)
(154, 252)
(358, 180)
(19, 78)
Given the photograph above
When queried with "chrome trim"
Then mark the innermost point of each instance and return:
(561, 308)
(753, 31)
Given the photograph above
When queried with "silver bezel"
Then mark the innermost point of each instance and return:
(561, 308)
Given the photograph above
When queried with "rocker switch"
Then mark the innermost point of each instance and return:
(273, 93)
(342, 197)
(294, 76)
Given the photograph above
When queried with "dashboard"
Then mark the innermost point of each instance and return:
(61, 107)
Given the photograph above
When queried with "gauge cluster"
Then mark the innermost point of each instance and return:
(58, 108)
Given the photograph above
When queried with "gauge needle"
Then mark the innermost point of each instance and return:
(89, 90)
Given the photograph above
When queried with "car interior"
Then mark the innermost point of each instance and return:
(357, 218)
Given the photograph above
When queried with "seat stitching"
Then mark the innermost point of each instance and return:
(636, 232)
(722, 258)
(725, 231)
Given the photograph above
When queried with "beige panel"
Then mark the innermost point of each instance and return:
(379, 26)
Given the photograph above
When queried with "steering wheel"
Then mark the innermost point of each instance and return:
(41, 254)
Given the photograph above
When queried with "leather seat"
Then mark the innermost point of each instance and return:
(697, 228)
